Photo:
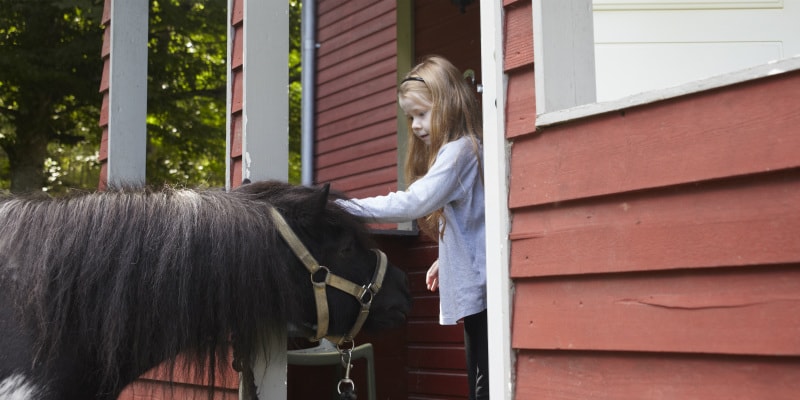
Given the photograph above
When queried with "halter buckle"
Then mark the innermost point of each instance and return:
(323, 281)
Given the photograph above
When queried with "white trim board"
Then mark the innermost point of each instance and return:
(496, 155)
(605, 5)
(587, 110)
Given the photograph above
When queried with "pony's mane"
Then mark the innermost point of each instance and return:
(178, 262)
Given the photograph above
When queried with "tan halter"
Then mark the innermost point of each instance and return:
(364, 294)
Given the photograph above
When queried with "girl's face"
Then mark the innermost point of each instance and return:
(419, 113)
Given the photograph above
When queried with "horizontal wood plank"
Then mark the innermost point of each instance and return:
(736, 130)
(436, 357)
(237, 90)
(377, 46)
(357, 107)
(373, 183)
(331, 11)
(354, 118)
(381, 132)
(155, 390)
(104, 104)
(384, 87)
(744, 221)
(433, 333)
(518, 33)
(237, 13)
(426, 306)
(620, 376)
(236, 134)
(351, 15)
(337, 80)
(226, 377)
(521, 103)
(105, 74)
(742, 311)
(337, 66)
(359, 166)
(452, 385)
(237, 58)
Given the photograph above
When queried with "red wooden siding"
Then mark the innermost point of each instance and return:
(654, 250)
(436, 353)
(356, 150)
(237, 93)
(105, 53)
(356, 128)
(160, 384)
(637, 376)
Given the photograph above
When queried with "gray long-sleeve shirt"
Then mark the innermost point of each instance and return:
(454, 184)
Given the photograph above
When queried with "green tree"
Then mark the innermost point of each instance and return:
(186, 92)
(49, 80)
(295, 90)
(50, 71)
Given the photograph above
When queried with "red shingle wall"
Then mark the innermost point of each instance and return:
(356, 115)
(105, 53)
(654, 250)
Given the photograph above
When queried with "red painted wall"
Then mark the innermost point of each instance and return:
(654, 250)
(105, 53)
(356, 151)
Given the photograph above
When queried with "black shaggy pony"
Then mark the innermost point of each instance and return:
(96, 289)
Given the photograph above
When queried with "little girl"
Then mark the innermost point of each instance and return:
(446, 197)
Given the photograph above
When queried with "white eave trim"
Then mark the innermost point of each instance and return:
(569, 114)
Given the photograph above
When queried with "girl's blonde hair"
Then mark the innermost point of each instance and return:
(455, 113)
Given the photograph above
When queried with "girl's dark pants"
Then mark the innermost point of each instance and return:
(476, 344)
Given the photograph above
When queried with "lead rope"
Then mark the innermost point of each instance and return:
(346, 386)
(247, 381)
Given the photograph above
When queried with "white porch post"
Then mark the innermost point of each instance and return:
(127, 92)
(495, 154)
(265, 131)
(264, 134)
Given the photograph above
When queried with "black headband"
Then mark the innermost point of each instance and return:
(412, 78)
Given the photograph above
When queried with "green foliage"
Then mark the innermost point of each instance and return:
(49, 80)
(50, 70)
(295, 90)
(186, 92)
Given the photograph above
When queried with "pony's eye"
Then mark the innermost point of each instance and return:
(346, 251)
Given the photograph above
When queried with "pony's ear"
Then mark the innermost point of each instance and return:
(316, 204)
(323, 196)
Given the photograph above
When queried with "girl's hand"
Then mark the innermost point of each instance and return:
(432, 277)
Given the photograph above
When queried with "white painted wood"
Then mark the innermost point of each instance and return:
(228, 97)
(604, 5)
(646, 45)
(270, 371)
(496, 154)
(588, 110)
(265, 135)
(127, 93)
(564, 54)
(265, 118)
